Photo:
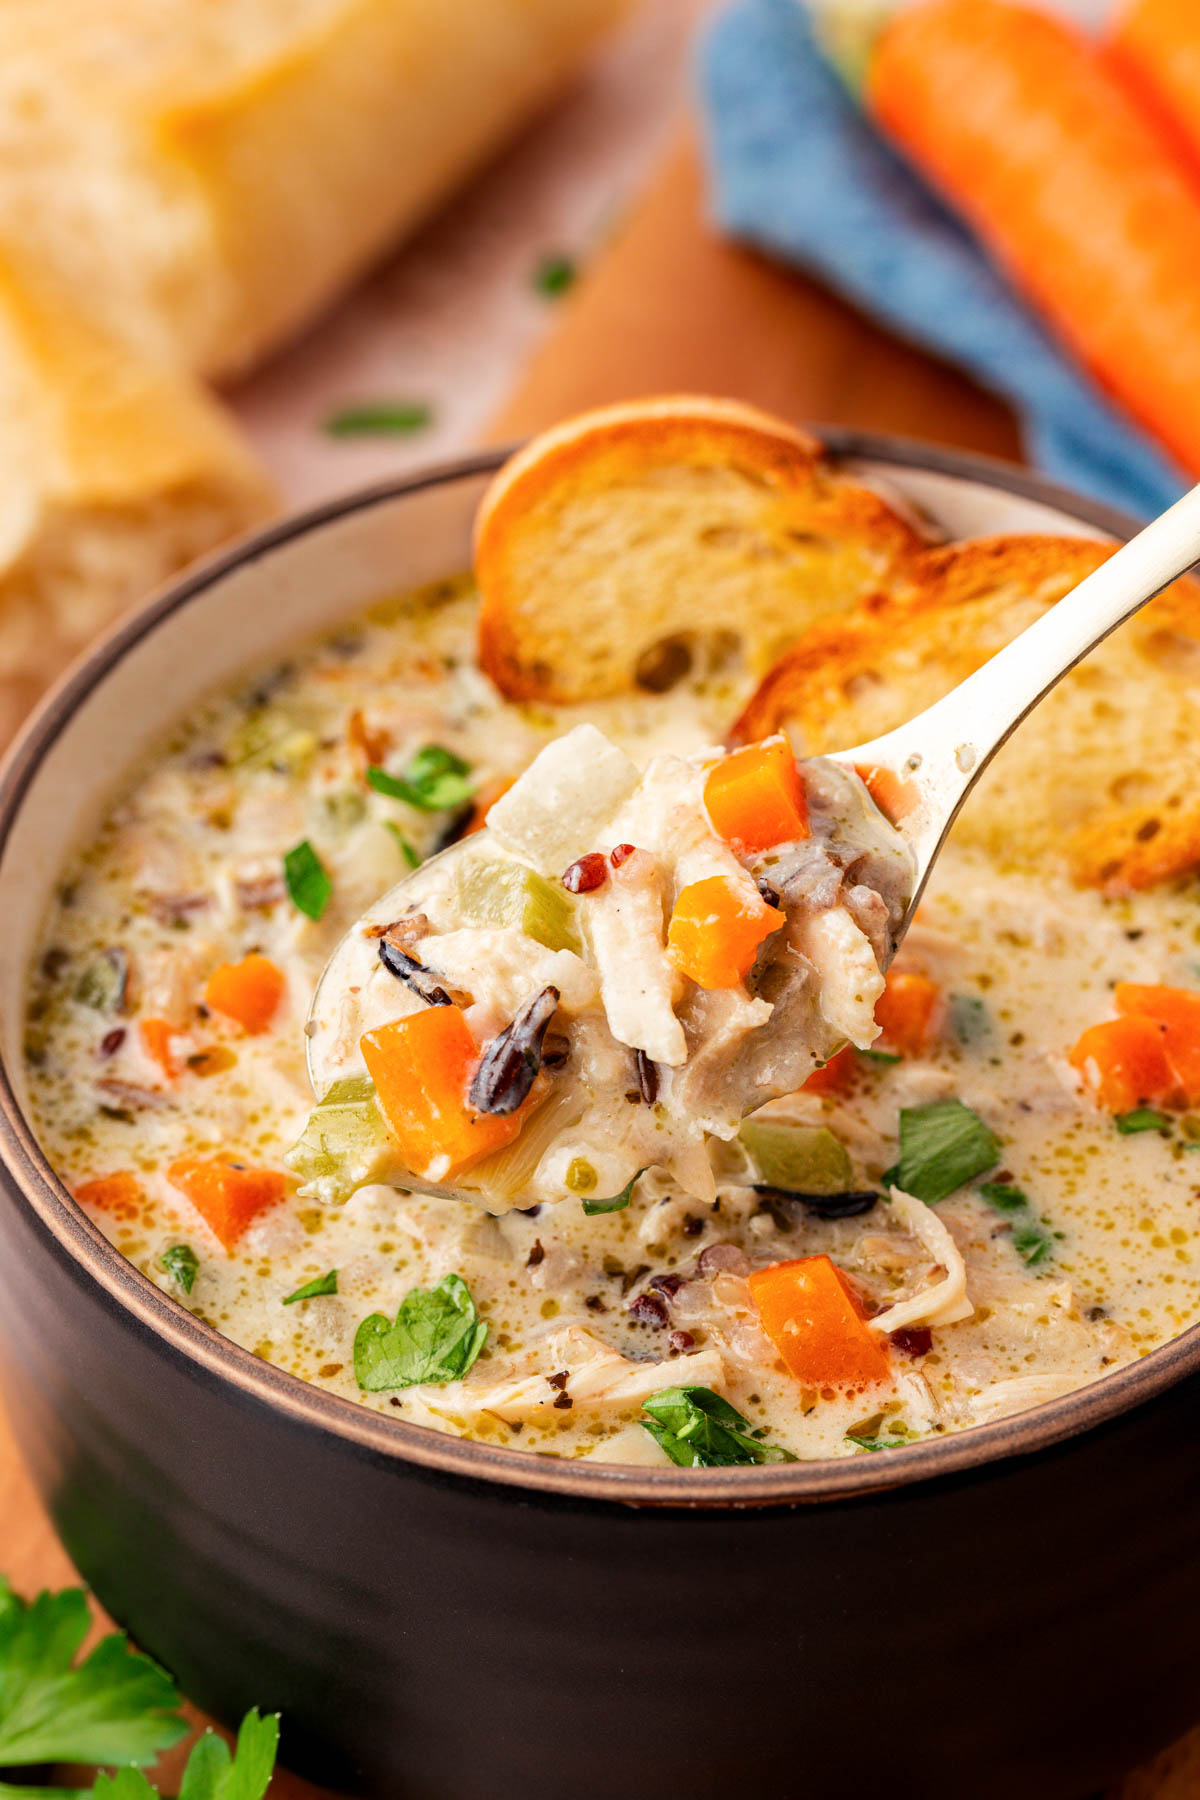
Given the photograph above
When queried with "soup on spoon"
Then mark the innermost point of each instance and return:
(621, 967)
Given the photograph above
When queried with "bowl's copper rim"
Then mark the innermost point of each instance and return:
(366, 1432)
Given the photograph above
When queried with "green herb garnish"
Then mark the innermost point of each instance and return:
(387, 418)
(942, 1146)
(406, 850)
(436, 1336)
(1143, 1118)
(554, 275)
(307, 883)
(213, 1772)
(970, 1020)
(435, 780)
(316, 1289)
(699, 1430)
(1031, 1240)
(617, 1203)
(875, 1443)
(181, 1262)
(883, 1057)
(116, 1706)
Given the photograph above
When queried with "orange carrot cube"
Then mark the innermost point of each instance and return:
(1177, 1012)
(156, 1035)
(1124, 1061)
(120, 1194)
(422, 1068)
(716, 929)
(754, 797)
(248, 991)
(837, 1075)
(227, 1195)
(813, 1317)
(908, 1012)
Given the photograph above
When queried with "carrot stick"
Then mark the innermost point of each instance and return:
(1024, 127)
(1154, 48)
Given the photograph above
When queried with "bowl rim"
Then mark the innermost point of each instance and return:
(362, 1429)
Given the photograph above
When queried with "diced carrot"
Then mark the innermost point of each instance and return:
(422, 1068)
(1154, 47)
(248, 991)
(1125, 1063)
(836, 1076)
(372, 743)
(716, 929)
(484, 805)
(156, 1035)
(907, 1012)
(1023, 125)
(894, 796)
(813, 1317)
(226, 1194)
(1177, 1012)
(754, 797)
(120, 1194)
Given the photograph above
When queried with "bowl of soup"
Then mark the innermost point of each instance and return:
(538, 1498)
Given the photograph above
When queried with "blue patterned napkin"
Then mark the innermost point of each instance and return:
(798, 173)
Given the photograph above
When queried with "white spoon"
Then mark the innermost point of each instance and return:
(940, 754)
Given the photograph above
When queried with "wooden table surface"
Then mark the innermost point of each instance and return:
(669, 307)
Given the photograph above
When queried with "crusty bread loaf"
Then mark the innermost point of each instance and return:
(611, 547)
(116, 471)
(1107, 769)
(206, 174)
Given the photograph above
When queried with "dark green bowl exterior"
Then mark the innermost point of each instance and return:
(1012, 1612)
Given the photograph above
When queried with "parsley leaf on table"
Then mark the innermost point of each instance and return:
(436, 1336)
(396, 418)
(699, 1430)
(117, 1706)
(212, 1772)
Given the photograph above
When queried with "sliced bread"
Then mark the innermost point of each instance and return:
(1106, 770)
(616, 549)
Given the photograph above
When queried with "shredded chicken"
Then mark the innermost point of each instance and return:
(637, 982)
(947, 1300)
(580, 1366)
(850, 978)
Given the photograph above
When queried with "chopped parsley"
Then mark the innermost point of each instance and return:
(307, 882)
(876, 1443)
(436, 1336)
(942, 1147)
(399, 418)
(554, 275)
(699, 1430)
(182, 1263)
(435, 780)
(1143, 1118)
(1031, 1241)
(406, 850)
(316, 1289)
(617, 1202)
(883, 1057)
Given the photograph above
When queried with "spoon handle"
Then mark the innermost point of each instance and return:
(940, 754)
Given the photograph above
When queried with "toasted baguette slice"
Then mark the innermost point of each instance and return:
(206, 175)
(613, 547)
(1107, 769)
(114, 472)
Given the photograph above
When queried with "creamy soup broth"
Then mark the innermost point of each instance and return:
(1092, 1266)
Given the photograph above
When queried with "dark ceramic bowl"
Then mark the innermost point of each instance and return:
(1011, 1611)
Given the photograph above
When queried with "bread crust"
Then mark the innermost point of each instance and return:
(1105, 772)
(676, 517)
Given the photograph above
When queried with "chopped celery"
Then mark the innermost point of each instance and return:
(345, 1143)
(494, 893)
(799, 1159)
